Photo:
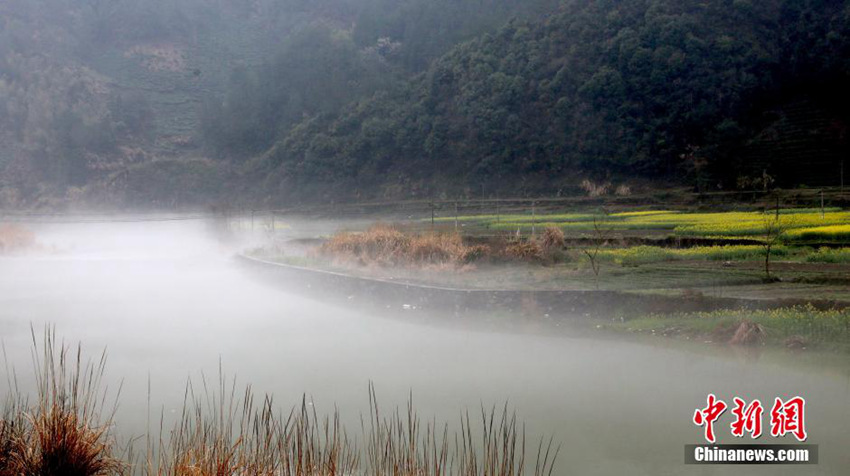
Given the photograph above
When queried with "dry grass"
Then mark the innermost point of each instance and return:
(593, 189)
(222, 432)
(64, 433)
(524, 250)
(748, 333)
(15, 238)
(221, 435)
(553, 238)
(384, 245)
(11, 435)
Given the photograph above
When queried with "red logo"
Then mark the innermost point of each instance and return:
(747, 418)
(788, 417)
(785, 417)
(708, 415)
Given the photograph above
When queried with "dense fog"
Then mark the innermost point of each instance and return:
(169, 303)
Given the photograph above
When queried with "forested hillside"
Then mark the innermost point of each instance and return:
(720, 94)
(169, 104)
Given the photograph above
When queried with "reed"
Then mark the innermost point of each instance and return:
(65, 432)
(223, 431)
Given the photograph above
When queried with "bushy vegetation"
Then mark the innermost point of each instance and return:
(385, 245)
(830, 255)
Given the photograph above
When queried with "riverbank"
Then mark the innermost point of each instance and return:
(793, 323)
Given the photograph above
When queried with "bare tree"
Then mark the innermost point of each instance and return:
(775, 226)
(601, 234)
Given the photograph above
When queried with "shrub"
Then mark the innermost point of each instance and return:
(553, 238)
(830, 255)
(385, 245)
(525, 250)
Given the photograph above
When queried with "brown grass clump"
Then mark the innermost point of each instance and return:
(384, 245)
(595, 189)
(233, 437)
(524, 250)
(553, 238)
(63, 434)
(15, 238)
(748, 333)
(11, 428)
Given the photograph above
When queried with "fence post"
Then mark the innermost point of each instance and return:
(432, 216)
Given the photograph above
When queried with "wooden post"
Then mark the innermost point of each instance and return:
(432, 216)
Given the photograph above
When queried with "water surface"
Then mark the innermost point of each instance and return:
(169, 303)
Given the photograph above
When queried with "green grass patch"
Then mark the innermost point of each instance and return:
(829, 255)
(803, 325)
(804, 224)
(651, 254)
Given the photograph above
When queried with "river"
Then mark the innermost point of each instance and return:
(169, 303)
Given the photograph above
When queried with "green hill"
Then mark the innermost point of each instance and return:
(275, 101)
(714, 93)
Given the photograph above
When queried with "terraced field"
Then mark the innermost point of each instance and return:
(831, 225)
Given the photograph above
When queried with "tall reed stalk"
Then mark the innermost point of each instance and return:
(222, 431)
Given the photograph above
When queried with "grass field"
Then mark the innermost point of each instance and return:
(795, 327)
(799, 225)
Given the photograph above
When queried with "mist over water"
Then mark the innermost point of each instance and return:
(170, 303)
